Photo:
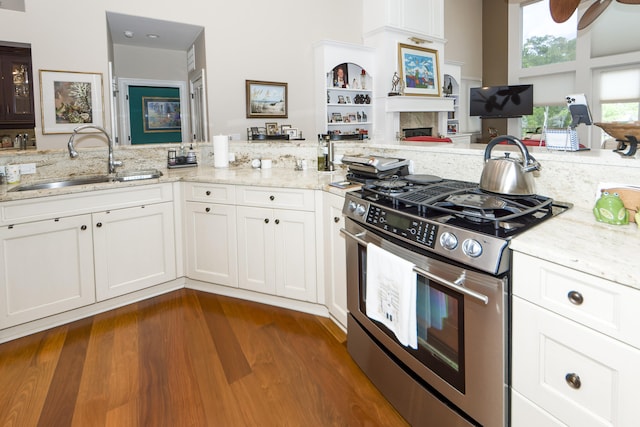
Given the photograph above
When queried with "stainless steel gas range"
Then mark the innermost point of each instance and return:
(456, 237)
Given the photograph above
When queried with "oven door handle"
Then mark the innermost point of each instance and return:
(456, 286)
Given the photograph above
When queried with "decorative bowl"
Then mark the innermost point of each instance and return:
(620, 130)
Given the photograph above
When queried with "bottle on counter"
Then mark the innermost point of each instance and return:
(323, 153)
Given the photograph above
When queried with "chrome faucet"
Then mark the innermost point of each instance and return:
(73, 153)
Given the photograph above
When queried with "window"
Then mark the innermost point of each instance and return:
(558, 117)
(543, 40)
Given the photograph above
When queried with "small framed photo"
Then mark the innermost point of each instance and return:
(341, 76)
(272, 128)
(292, 133)
(336, 117)
(283, 129)
(266, 99)
(70, 99)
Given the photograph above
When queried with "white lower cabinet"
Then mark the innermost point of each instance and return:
(276, 252)
(335, 256)
(211, 243)
(134, 248)
(46, 268)
(565, 362)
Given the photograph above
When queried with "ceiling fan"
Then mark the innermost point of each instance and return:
(561, 10)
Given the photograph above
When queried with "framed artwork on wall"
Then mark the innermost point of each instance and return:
(419, 70)
(69, 99)
(266, 99)
(161, 114)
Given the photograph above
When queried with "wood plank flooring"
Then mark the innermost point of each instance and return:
(188, 358)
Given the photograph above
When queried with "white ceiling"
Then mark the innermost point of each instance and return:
(172, 35)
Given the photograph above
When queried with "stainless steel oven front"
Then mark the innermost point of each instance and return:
(458, 376)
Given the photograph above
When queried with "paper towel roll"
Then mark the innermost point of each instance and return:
(221, 151)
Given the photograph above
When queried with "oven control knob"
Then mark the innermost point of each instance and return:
(351, 207)
(472, 248)
(360, 210)
(448, 240)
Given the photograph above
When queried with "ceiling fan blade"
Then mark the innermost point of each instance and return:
(629, 1)
(592, 13)
(561, 10)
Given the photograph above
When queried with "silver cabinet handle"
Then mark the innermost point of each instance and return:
(451, 285)
(573, 380)
(575, 297)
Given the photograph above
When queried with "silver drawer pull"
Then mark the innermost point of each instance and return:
(573, 380)
(575, 297)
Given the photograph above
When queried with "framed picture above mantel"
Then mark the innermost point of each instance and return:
(419, 70)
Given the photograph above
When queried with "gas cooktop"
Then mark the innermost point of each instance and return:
(455, 219)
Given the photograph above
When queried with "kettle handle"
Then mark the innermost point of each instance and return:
(511, 140)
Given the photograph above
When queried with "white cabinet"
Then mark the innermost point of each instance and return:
(46, 267)
(211, 236)
(276, 242)
(64, 252)
(335, 257)
(425, 17)
(345, 108)
(575, 349)
(134, 248)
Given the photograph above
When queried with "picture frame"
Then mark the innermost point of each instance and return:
(419, 70)
(292, 133)
(266, 99)
(69, 99)
(336, 117)
(161, 114)
(340, 76)
(272, 128)
(283, 129)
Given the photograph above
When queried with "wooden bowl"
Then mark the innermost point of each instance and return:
(620, 130)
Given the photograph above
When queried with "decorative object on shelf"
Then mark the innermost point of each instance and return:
(292, 133)
(611, 210)
(363, 80)
(341, 76)
(272, 128)
(395, 85)
(419, 70)
(626, 133)
(68, 99)
(266, 99)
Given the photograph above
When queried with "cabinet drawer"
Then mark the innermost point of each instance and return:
(600, 304)
(285, 198)
(207, 192)
(38, 208)
(524, 413)
(548, 347)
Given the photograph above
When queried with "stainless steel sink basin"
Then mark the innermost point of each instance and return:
(95, 179)
(47, 185)
(137, 175)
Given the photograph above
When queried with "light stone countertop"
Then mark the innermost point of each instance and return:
(575, 239)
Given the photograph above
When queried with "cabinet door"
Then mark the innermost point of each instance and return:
(578, 375)
(256, 256)
(134, 248)
(17, 89)
(295, 254)
(335, 258)
(46, 268)
(211, 243)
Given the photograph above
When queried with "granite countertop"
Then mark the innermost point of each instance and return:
(576, 240)
(276, 177)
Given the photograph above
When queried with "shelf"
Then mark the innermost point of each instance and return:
(348, 105)
(349, 123)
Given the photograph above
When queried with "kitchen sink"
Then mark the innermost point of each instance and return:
(124, 176)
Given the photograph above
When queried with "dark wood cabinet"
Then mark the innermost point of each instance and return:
(16, 89)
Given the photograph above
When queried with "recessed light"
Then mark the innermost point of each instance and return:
(128, 34)
(153, 36)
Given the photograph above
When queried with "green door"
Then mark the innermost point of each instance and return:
(154, 114)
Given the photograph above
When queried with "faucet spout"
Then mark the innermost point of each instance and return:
(112, 163)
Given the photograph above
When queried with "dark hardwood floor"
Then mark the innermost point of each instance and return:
(188, 358)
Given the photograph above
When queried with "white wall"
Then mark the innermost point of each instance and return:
(244, 39)
(144, 63)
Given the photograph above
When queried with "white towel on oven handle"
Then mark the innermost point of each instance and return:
(391, 294)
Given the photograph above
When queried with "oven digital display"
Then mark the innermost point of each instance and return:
(403, 226)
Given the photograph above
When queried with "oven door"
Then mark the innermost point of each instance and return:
(461, 326)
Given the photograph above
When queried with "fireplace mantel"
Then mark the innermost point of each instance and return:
(417, 104)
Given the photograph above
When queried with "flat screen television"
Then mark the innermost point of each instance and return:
(501, 101)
